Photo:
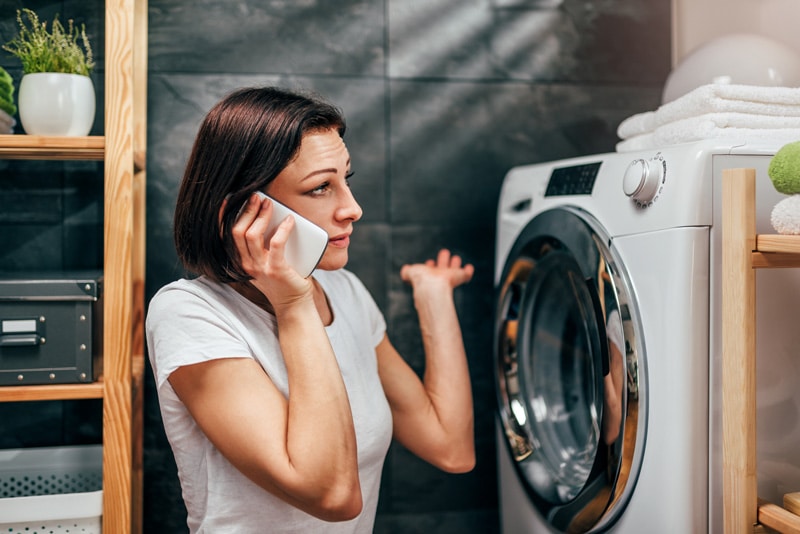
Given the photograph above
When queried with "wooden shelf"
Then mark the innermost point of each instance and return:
(743, 251)
(41, 147)
(776, 251)
(778, 518)
(776, 243)
(93, 390)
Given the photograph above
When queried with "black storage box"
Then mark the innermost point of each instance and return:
(50, 327)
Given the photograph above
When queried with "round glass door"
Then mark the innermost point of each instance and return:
(568, 372)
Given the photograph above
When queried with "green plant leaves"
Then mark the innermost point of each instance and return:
(56, 50)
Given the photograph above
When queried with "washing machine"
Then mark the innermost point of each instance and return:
(607, 343)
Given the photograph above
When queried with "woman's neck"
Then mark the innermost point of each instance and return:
(251, 293)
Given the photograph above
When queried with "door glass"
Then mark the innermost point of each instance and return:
(561, 378)
(569, 372)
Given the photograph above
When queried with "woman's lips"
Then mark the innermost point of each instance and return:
(340, 241)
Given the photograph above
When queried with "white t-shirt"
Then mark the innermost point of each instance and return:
(191, 321)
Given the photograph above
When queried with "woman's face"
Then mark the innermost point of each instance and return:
(316, 185)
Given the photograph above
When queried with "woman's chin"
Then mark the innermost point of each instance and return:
(333, 260)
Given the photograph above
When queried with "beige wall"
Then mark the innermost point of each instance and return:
(698, 21)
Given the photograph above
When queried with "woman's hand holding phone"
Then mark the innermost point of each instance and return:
(262, 235)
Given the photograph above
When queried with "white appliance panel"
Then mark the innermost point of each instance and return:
(671, 250)
(668, 499)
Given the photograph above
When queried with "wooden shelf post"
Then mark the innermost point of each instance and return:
(743, 251)
(738, 349)
(123, 150)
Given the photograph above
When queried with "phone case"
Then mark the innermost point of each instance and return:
(306, 243)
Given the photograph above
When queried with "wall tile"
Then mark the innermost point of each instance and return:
(572, 40)
(453, 142)
(418, 488)
(307, 37)
(483, 521)
(410, 485)
(370, 249)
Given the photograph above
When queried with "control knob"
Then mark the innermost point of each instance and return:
(642, 180)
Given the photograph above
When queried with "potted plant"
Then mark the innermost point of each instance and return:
(56, 95)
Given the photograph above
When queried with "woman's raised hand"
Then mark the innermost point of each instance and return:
(446, 267)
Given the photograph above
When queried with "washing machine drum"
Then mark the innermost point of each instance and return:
(569, 370)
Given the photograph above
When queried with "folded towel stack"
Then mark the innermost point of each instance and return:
(717, 111)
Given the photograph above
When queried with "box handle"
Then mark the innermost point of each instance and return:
(21, 340)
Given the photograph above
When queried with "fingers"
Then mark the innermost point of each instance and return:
(447, 260)
(446, 266)
(257, 250)
(244, 220)
(404, 271)
(250, 227)
(277, 242)
(468, 271)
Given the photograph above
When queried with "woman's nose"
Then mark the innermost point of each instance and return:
(350, 209)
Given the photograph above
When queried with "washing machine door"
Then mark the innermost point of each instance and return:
(569, 370)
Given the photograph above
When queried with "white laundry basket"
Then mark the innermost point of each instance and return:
(49, 490)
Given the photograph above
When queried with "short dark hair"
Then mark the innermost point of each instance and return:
(243, 143)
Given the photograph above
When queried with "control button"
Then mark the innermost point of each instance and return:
(642, 180)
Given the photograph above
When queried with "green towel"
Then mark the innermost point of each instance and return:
(7, 92)
(6, 83)
(8, 107)
(4, 75)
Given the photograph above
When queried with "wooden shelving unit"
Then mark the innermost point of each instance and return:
(43, 147)
(123, 151)
(743, 251)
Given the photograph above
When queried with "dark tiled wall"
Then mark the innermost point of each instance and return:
(442, 98)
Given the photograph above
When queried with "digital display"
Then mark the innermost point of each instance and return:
(574, 180)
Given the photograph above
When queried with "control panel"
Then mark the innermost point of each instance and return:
(572, 180)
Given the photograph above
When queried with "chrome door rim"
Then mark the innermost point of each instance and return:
(609, 484)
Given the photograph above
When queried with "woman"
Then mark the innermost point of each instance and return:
(280, 394)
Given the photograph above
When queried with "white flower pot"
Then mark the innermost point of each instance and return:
(55, 103)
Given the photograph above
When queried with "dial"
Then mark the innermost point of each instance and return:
(642, 180)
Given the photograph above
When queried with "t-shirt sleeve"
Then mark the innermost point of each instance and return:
(377, 321)
(374, 317)
(183, 328)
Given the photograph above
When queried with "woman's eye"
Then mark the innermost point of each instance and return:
(347, 177)
(320, 189)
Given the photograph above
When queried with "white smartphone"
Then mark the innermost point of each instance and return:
(306, 243)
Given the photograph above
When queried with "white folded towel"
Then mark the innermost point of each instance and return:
(637, 142)
(686, 133)
(703, 125)
(745, 100)
(638, 124)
